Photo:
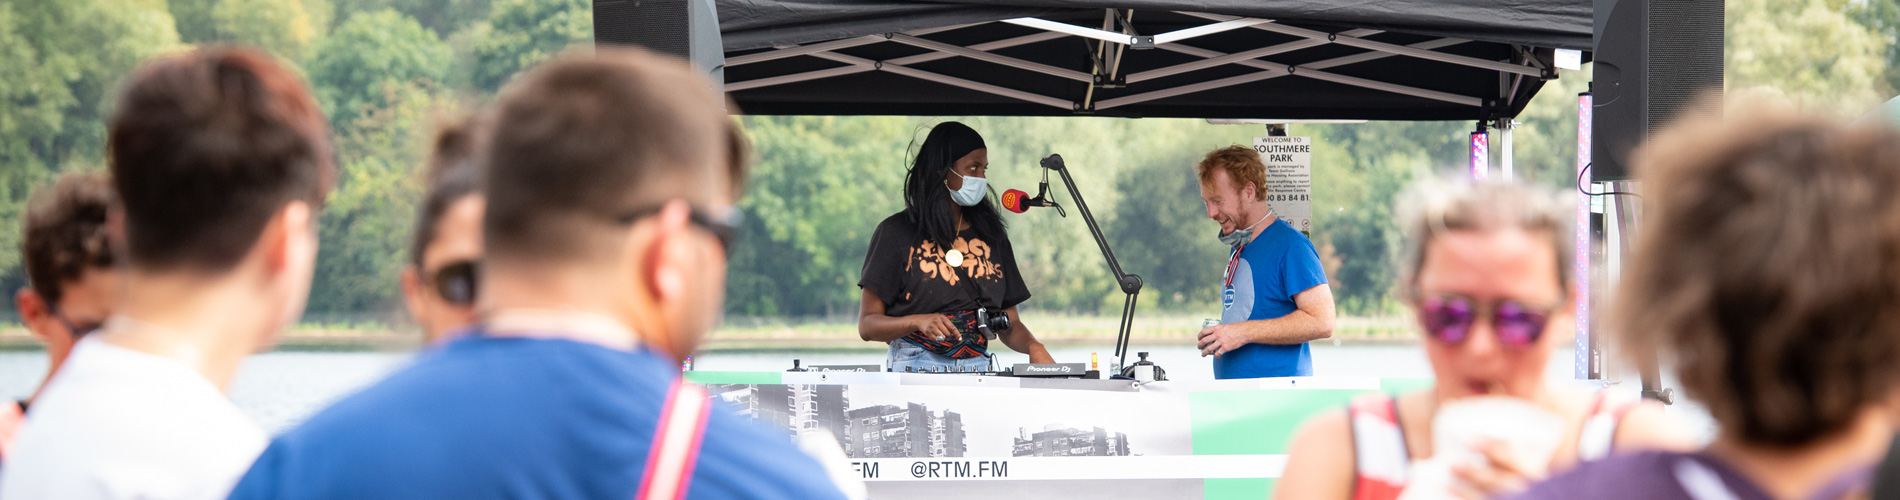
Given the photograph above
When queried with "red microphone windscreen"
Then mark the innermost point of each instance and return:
(1013, 200)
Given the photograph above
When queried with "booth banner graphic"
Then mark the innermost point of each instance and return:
(1289, 178)
(951, 436)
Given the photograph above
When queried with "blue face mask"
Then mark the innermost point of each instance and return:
(972, 192)
(1242, 236)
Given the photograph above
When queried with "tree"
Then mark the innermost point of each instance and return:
(367, 221)
(524, 32)
(1808, 50)
(63, 60)
(283, 27)
(1883, 18)
(352, 68)
(195, 24)
(819, 188)
(442, 16)
(1161, 235)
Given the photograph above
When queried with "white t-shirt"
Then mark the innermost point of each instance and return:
(115, 423)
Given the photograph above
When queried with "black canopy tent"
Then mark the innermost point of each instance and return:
(1479, 60)
(1274, 59)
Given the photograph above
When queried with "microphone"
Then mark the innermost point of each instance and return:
(1015, 200)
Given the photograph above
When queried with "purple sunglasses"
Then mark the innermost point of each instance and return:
(1449, 318)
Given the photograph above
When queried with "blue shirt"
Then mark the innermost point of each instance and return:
(518, 418)
(1272, 269)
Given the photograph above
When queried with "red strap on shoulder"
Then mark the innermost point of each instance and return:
(676, 441)
(10, 420)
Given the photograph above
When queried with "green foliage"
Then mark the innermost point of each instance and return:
(823, 183)
(1162, 237)
(1358, 171)
(820, 187)
(367, 221)
(193, 17)
(1883, 18)
(1546, 134)
(441, 16)
(1810, 51)
(524, 32)
(284, 27)
(63, 59)
(353, 66)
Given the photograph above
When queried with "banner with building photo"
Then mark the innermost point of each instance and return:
(949, 436)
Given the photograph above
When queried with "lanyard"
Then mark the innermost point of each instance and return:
(1233, 265)
(1233, 261)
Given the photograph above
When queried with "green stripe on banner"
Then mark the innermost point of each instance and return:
(1259, 422)
(735, 377)
(1251, 489)
(1404, 385)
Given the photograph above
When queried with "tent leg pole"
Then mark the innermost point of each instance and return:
(1504, 131)
(1626, 221)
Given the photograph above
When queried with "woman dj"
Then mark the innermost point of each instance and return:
(940, 280)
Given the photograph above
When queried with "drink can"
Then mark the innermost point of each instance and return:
(1209, 323)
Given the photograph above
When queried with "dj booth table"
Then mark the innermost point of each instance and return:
(924, 436)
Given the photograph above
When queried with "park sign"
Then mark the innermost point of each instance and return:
(1289, 163)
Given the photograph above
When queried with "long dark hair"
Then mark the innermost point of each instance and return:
(927, 199)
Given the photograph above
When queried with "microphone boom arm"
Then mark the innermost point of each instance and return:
(1130, 284)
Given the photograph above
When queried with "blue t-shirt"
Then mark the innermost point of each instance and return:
(516, 418)
(1273, 268)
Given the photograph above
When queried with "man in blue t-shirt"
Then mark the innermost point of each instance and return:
(611, 177)
(1274, 297)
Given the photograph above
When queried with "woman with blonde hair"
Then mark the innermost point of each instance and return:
(1486, 272)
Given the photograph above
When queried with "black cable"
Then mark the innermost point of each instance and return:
(1586, 191)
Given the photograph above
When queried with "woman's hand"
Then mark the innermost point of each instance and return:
(1504, 473)
(934, 325)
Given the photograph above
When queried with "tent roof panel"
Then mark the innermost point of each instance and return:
(1315, 59)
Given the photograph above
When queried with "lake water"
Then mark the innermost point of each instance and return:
(280, 389)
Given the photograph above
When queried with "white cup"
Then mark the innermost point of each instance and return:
(1531, 433)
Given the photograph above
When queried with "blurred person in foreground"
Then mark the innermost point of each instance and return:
(611, 179)
(443, 275)
(1485, 271)
(221, 161)
(69, 262)
(1274, 297)
(1768, 271)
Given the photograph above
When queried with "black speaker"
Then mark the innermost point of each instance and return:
(688, 29)
(1654, 58)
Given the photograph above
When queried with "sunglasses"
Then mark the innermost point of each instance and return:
(457, 282)
(1449, 318)
(723, 227)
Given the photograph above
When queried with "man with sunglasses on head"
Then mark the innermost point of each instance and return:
(440, 282)
(1274, 297)
(68, 261)
(610, 181)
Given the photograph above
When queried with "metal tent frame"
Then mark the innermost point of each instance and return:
(1031, 66)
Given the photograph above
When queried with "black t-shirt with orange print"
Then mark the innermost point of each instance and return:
(909, 273)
